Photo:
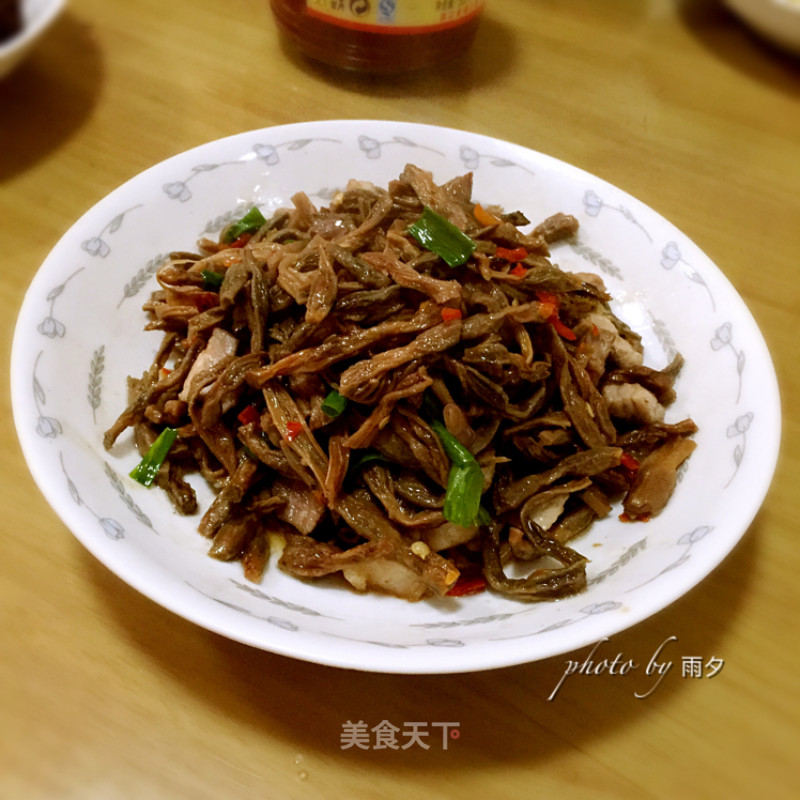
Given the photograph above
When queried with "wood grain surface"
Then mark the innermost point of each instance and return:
(104, 694)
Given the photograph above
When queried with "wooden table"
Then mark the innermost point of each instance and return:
(105, 695)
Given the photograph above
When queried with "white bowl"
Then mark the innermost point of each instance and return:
(37, 15)
(79, 335)
(776, 20)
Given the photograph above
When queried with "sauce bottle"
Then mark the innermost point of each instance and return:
(379, 35)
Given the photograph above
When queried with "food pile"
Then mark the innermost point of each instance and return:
(404, 390)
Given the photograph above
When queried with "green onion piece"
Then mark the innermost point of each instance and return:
(456, 451)
(334, 403)
(462, 501)
(440, 236)
(484, 517)
(212, 280)
(249, 223)
(364, 459)
(145, 471)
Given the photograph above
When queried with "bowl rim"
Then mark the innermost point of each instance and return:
(32, 26)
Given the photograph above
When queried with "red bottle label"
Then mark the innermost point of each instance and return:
(395, 16)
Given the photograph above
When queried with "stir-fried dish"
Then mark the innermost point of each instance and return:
(402, 389)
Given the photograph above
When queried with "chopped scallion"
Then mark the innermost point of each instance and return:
(440, 236)
(366, 458)
(212, 280)
(462, 500)
(484, 517)
(334, 404)
(456, 451)
(249, 223)
(147, 469)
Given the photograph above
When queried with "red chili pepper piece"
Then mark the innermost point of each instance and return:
(468, 586)
(517, 254)
(248, 414)
(519, 271)
(293, 429)
(561, 329)
(485, 217)
(242, 240)
(629, 462)
(543, 296)
(451, 313)
(550, 298)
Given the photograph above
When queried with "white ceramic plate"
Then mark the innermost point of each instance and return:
(79, 335)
